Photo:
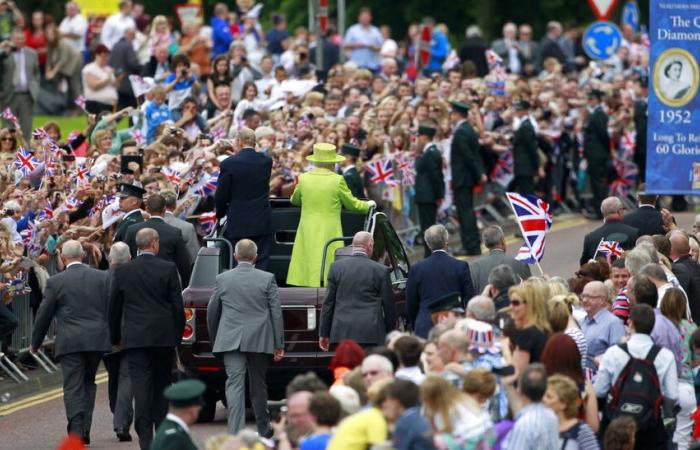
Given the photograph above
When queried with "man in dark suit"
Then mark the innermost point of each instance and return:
(172, 245)
(467, 172)
(130, 198)
(687, 270)
(494, 240)
(596, 149)
(146, 319)
(647, 219)
(359, 304)
(435, 276)
(640, 118)
(430, 183)
(243, 196)
(612, 230)
(349, 170)
(78, 299)
(473, 49)
(245, 325)
(526, 159)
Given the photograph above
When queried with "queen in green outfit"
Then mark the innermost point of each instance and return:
(321, 193)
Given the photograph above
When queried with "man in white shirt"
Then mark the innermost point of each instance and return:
(363, 42)
(74, 27)
(116, 24)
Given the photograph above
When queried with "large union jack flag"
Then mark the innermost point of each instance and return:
(208, 221)
(25, 161)
(534, 220)
(381, 172)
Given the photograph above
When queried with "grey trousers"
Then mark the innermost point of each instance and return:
(79, 389)
(123, 409)
(22, 106)
(237, 363)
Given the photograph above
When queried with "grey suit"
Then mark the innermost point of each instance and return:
(481, 268)
(21, 103)
(245, 325)
(188, 233)
(78, 299)
(359, 304)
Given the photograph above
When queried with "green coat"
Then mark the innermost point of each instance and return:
(321, 195)
(596, 141)
(171, 436)
(525, 157)
(465, 159)
(354, 182)
(430, 183)
(120, 231)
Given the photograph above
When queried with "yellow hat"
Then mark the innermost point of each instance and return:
(325, 153)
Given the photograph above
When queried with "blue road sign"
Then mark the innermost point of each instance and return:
(601, 40)
(630, 15)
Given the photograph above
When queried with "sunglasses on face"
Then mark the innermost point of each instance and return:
(517, 302)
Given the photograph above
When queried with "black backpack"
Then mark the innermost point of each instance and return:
(637, 392)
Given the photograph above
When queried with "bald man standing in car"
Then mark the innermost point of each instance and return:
(359, 304)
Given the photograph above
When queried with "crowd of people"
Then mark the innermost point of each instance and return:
(197, 121)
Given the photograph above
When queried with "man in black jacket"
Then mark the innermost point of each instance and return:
(349, 170)
(612, 230)
(78, 299)
(146, 319)
(647, 219)
(430, 183)
(243, 196)
(359, 303)
(172, 245)
(687, 270)
(596, 149)
(639, 115)
(526, 159)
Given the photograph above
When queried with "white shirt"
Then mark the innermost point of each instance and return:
(413, 374)
(75, 25)
(177, 420)
(108, 94)
(114, 28)
(73, 263)
(20, 71)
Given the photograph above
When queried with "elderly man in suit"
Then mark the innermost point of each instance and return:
(495, 242)
(78, 299)
(146, 319)
(245, 324)
(243, 196)
(687, 270)
(172, 244)
(189, 234)
(612, 230)
(647, 219)
(19, 80)
(436, 276)
(359, 304)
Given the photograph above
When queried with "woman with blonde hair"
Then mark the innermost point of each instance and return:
(456, 417)
(528, 309)
(562, 396)
(160, 35)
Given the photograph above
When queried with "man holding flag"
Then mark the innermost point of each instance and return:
(612, 230)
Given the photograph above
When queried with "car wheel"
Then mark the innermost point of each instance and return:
(208, 411)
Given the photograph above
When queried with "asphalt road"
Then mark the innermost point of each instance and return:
(38, 423)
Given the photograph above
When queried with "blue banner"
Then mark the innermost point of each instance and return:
(673, 144)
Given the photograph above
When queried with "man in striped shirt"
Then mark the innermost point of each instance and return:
(536, 426)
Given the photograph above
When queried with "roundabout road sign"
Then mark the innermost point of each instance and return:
(601, 40)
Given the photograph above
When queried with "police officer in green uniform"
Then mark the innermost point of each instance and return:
(526, 159)
(596, 149)
(349, 170)
(130, 198)
(185, 402)
(467, 172)
(430, 183)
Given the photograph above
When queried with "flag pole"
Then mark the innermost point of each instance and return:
(596, 249)
(520, 227)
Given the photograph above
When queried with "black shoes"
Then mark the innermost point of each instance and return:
(123, 435)
(86, 439)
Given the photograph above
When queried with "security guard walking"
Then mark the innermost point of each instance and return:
(430, 184)
(526, 159)
(596, 149)
(185, 402)
(467, 172)
(130, 198)
(349, 170)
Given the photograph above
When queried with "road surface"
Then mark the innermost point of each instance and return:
(38, 422)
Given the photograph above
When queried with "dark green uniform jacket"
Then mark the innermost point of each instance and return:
(465, 159)
(130, 219)
(172, 436)
(596, 141)
(354, 182)
(430, 184)
(525, 156)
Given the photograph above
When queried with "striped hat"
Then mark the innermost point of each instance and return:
(481, 338)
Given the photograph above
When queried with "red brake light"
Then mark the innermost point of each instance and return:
(188, 332)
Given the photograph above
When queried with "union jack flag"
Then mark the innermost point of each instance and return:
(82, 174)
(101, 204)
(80, 101)
(406, 165)
(25, 161)
(534, 220)
(209, 185)
(40, 134)
(502, 172)
(137, 137)
(9, 116)
(172, 175)
(208, 221)
(47, 212)
(626, 176)
(609, 249)
(381, 172)
(71, 203)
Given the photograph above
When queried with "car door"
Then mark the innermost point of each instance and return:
(389, 250)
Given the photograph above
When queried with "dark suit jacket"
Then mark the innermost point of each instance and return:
(613, 230)
(121, 229)
(688, 273)
(149, 70)
(596, 141)
(354, 182)
(172, 245)
(145, 304)
(526, 159)
(437, 275)
(430, 183)
(467, 166)
(647, 220)
(473, 49)
(7, 71)
(243, 194)
(481, 267)
(640, 127)
(78, 299)
(359, 303)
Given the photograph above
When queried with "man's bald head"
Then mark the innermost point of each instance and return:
(597, 287)
(363, 241)
(72, 251)
(680, 245)
(481, 308)
(612, 208)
